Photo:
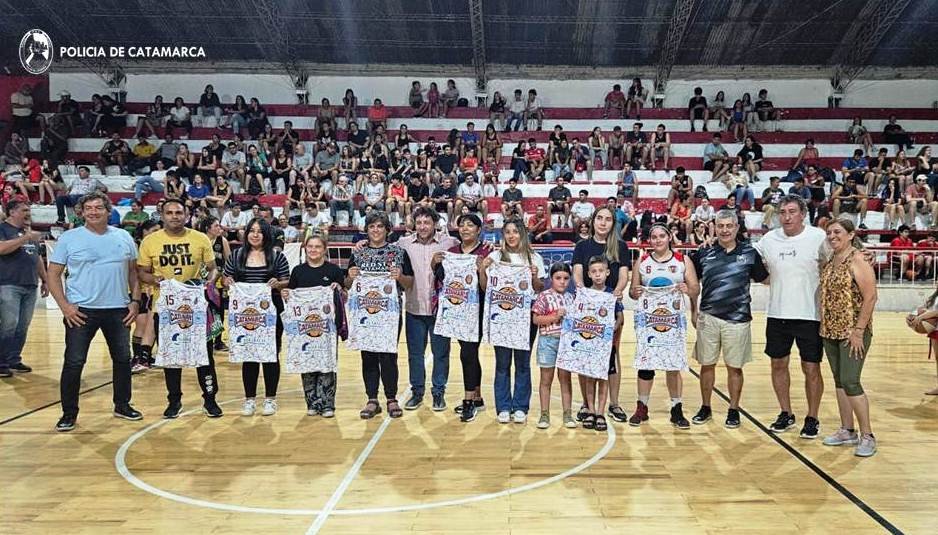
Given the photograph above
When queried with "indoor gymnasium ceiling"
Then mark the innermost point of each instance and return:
(600, 33)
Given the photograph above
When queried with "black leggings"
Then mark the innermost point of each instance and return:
(379, 367)
(251, 370)
(471, 368)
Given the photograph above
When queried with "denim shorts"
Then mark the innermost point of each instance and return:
(547, 347)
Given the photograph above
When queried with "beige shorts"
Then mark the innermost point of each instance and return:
(715, 335)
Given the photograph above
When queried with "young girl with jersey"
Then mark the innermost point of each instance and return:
(470, 229)
(660, 267)
(548, 311)
(257, 262)
(319, 387)
(515, 249)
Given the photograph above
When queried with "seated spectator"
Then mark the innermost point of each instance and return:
(736, 183)
(234, 220)
(69, 110)
(580, 154)
(559, 201)
(562, 163)
(469, 196)
(627, 183)
(636, 99)
(377, 116)
(858, 168)
(179, 117)
(519, 164)
(24, 116)
(716, 159)
(737, 121)
(807, 156)
(511, 200)
(403, 139)
(498, 110)
(113, 118)
(54, 141)
(240, 114)
(327, 165)
(903, 169)
(815, 183)
(315, 220)
(167, 151)
(894, 134)
(114, 152)
(303, 163)
(418, 194)
(469, 140)
(749, 109)
(341, 200)
(434, 104)
(615, 100)
(596, 143)
(450, 97)
(289, 225)
(447, 163)
(280, 168)
(923, 161)
(287, 139)
(857, 133)
(765, 111)
(50, 183)
(397, 196)
(209, 105)
(850, 198)
(533, 110)
(534, 157)
(582, 210)
(350, 108)
(681, 183)
(697, 109)
(197, 192)
(516, 112)
(539, 227)
(750, 158)
(25, 177)
(659, 147)
(879, 166)
(76, 189)
(257, 119)
(680, 213)
(583, 232)
(208, 162)
(717, 110)
(142, 154)
(357, 139)
(924, 262)
(491, 143)
(616, 147)
(920, 199)
(636, 146)
(415, 99)
(904, 261)
(14, 151)
(771, 197)
(220, 195)
(704, 215)
(234, 162)
(893, 199)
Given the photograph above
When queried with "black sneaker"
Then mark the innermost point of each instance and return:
(413, 403)
(220, 346)
(439, 403)
(5, 372)
(468, 412)
(19, 367)
(478, 403)
(582, 413)
(172, 410)
(732, 419)
(211, 409)
(677, 417)
(863, 226)
(810, 428)
(66, 423)
(127, 412)
(703, 415)
(783, 423)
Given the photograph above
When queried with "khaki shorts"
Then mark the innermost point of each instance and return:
(714, 335)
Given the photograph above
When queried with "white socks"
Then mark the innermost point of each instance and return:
(675, 401)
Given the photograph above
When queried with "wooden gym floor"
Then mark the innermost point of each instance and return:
(429, 473)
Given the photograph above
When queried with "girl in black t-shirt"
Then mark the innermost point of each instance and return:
(319, 387)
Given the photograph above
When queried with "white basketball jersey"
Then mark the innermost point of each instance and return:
(183, 314)
(252, 323)
(373, 314)
(586, 334)
(309, 323)
(660, 330)
(671, 269)
(457, 313)
(508, 297)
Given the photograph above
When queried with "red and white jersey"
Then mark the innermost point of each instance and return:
(671, 270)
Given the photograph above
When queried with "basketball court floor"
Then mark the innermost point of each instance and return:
(429, 473)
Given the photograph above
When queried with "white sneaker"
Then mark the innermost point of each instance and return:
(504, 417)
(519, 417)
(270, 407)
(312, 412)
(249, 407)
(328, 413)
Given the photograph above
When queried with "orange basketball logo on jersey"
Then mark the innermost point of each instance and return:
(251, 318)
(182, 316)
(456, 293)
(662, 320)
(313, 326)
(507, 298)
(588, 328)
(373, 302)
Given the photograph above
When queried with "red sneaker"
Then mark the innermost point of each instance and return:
(640, 415)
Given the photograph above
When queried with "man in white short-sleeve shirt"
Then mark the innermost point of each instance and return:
(792, 255)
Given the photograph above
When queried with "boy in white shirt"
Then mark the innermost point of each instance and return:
(582, 210)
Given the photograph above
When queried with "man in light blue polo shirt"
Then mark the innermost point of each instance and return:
(101, 262)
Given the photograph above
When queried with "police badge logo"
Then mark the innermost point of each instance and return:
(36, 51)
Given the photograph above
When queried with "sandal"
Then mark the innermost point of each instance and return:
(589, 421)
(394, 409)
(600, 423)
(372, 408)
(617, 413)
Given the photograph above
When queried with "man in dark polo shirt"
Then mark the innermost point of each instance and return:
(723, 324)
(20, 267)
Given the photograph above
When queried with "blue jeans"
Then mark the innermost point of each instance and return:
(146, 183)
(16, 311)
(518, 119)
(519, 166)
(65, 200)
(77, 341)
(745, 193)
(561, 169)
(238, 122)
(505, 400)
(416, 329)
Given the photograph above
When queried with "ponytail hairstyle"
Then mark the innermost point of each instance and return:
(612, 239)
